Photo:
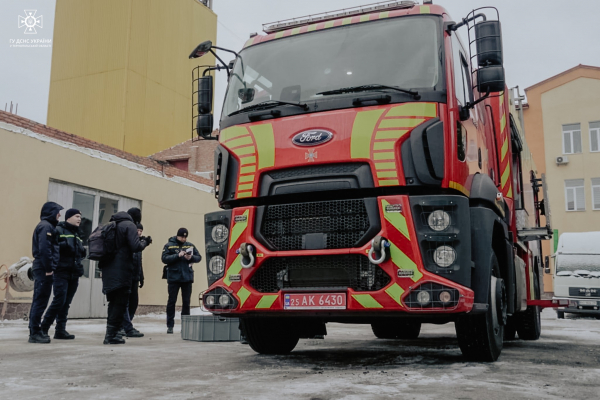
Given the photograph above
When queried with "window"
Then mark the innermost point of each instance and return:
(595, 136)
(571, 138)
(462, 87)
(596, 193)
(575, 195)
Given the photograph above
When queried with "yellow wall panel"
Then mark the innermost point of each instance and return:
(126, 61)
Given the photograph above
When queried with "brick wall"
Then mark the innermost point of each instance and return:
(148, 162)
(200, 154)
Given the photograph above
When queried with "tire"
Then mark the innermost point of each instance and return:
(510, 330)
(529, 324)
(269, 336)
(480, 337)
(560, 314)
(396, 330)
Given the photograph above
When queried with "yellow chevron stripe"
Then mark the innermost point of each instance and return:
(246, 178)
(385, 165)
(388, 182)
(388, 155)
(395, 292)
(243, 294)
(509, 194)
(402, 261)
(400, 123)
(234, 269)
(245, 186)
(395, 134)
(504, 149)
(367, 301)
(232, 132)
(248, 160)
(246, 140)
(244, 194)
(505, 174)
(266, 301)
(387, 174)
(413, 110)
(384, 145)
(247, 170)
(396, 219)
(242, 151)
(502, 122)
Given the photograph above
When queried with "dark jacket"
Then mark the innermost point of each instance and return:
(71, 251)
(178, 268)
(118, 272)
(45, 248)
(138, 270)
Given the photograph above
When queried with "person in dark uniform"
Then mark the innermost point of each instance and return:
(46, 253)
(137, 283)
(66, 275)
(117, 272)
(179, 255)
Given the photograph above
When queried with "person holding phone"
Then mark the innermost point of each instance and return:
(179, 255)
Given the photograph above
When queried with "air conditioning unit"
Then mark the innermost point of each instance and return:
(562, 160)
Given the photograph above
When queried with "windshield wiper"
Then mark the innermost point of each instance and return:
(362, 88)
(269, 104)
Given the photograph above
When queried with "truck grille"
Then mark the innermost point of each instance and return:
(339, 271)
(336, 224)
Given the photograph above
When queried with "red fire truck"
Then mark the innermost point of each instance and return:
(370, 171)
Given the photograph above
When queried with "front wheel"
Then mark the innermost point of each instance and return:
(269, 336)
(480, 337)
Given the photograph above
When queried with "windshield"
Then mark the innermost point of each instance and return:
(574, 262)
(403, 52)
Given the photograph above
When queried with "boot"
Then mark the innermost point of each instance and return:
(111, 336)
(134, 333)
(121, 333)
(63, 334)
(169, 330)
(44, 332)
(37, 337)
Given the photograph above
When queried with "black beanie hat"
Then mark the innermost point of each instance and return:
(182, 232)
(136, 214)
(139, 226)
(70, 212)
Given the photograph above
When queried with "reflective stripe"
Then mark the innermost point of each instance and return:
(505, 174)
(244, 140)
(395, 292)
(245, 186)
(388, 155)
(402, 261)
(73, 236)
(238, 229)
(396, 219)
(425, 9)
(234, 269)
(243, 294)
(248, 160)
(389, 145)
(248, 170)
(388, 182)
(244, 194)
(367, 301)
(504, 149)
(242, 151)
(413, 110)
(395, 134)
(387, 174)
(246, 178)
(502, 122)
(400, 123)
(266, 301)
(265, 144)
(385, 165)
(232, 132)
(459, 187)
(362, 132)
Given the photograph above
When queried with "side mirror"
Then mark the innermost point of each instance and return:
(204, 126)
(490, 79)
(488, 40)
(205, 94)
(547, 265)
(201, 49)
(246, 95)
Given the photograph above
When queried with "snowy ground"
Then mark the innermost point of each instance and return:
(349, 364)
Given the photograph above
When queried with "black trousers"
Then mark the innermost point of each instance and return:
(131, 306)
(117, 303)
(64, 290)
(186, 294)
(42, 288)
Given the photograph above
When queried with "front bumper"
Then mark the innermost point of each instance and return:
(579, 306)
(405, 270)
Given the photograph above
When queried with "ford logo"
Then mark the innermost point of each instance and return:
(314, 137)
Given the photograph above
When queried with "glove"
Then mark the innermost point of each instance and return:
(148, 240)
(141, 284)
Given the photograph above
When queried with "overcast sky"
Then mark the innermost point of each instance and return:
(541, 38)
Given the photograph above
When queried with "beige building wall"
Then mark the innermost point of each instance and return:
(28, 164)
(570, 97)
(120, 70)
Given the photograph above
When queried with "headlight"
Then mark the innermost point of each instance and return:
(445, 297)
(216, 265)
(219, 233)
(439, 220)
(444, 256)
(210, 300)
(423, 297)
(224, 300)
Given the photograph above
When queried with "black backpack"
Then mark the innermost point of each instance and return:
(103, 242)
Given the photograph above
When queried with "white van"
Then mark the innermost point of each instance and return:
(577, 273)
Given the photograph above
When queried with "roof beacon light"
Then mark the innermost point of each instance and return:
(271, 27)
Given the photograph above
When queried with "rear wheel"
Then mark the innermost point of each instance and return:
(480, 337)
(269, 336)
(510, 330)
(529, 324)
(396, 330)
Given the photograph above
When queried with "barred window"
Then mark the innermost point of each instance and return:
(575, 195)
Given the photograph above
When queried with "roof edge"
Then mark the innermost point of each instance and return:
(580, 66)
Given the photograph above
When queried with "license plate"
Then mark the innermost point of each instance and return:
(587, 303)
(315, 301)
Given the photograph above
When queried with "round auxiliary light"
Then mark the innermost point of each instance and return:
(209, 300)
(423, 297)
(439, 220)
(444, 256)
(216, 265)
(219, 233)
(445, 297)
(224, 300)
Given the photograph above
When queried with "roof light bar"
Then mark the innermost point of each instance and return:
(276, 26)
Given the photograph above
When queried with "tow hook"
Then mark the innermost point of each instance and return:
(247, 252)
(379, 246)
